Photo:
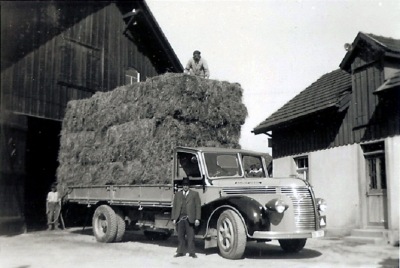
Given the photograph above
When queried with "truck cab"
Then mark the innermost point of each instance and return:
(240, 202)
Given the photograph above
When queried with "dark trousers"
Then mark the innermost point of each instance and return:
(185, 228)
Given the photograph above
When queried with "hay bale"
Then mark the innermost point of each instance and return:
(127, 136)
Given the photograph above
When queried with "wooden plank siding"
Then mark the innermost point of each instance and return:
(325, 131)
(91, 55)
(368, 117)
(367, 77)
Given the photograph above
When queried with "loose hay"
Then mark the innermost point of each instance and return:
(127, 136)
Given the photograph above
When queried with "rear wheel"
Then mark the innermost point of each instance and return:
(121, 226)
(104, 224)
(231, 236)
(292, 245)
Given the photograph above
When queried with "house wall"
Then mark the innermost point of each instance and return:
(392, 149)
(336, 180)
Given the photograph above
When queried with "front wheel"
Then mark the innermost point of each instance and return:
(292, 245)
(104, 224)
(231, 236)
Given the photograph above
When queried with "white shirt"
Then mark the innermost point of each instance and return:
(52, 197)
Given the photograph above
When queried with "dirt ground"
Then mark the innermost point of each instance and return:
(77, 248)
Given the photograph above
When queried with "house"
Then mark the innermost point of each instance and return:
(342, 134)
(53, 52)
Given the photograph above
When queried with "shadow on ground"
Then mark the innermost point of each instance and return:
(256, 250)
(253, 250)
(389, 263)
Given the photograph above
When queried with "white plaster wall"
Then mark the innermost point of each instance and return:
(334, 175)
(392, 150)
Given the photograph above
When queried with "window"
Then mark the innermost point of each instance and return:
(302, 167)
(132, 76)
(222, 165)
(188, 166)
(374, 154)
(253, 166)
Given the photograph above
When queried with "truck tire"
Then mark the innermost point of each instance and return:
(292, 245)
(121, 226)
(231, 235)
(104, 224)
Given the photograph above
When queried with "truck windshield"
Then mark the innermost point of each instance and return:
(222, 165)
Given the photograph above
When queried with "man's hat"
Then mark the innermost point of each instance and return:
(185, 181)
(196, 52)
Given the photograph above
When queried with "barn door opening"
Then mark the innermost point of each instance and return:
(42, 147)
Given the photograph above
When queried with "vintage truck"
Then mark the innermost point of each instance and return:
(237, 205)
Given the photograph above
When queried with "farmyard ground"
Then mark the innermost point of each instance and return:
(76, 248)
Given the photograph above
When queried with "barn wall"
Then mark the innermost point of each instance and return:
(13, 131)
(91, 55)
(53, 52)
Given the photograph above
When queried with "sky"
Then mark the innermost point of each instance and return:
(274, 49)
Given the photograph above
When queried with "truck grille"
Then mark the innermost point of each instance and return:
(248, 190)
(303, 206)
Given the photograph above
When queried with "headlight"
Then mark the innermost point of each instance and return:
(321, 204)
(277, 205)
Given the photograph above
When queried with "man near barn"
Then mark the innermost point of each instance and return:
(197, 66)
(186, 213)
(53, 207)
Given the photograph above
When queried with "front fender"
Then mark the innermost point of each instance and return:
(251, 211)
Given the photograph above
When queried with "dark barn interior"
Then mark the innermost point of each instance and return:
(42, 147)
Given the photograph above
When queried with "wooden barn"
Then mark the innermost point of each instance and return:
(53, 52)
(342, 133)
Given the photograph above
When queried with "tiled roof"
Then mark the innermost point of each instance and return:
(331, 90)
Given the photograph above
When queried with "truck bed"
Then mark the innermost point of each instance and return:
(129, 195)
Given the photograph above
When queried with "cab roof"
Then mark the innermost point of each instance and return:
(219, 150)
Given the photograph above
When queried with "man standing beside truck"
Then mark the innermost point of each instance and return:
(186, 214)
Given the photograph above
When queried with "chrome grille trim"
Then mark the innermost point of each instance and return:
(249, 190)
(303, 206)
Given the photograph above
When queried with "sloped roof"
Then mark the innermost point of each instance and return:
(384, 44)
(152, 36)
(329, 91)
(388, 43)
(21, 20)
(392, 82)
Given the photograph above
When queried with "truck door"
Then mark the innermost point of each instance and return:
(188, 166)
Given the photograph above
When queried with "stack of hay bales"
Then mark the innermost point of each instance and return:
(127, 136)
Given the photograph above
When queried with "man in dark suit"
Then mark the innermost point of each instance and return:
(186, 214)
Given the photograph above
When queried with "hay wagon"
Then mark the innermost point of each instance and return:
(237, 205)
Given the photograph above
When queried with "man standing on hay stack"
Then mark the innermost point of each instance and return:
(186, 213)
(197, 66)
